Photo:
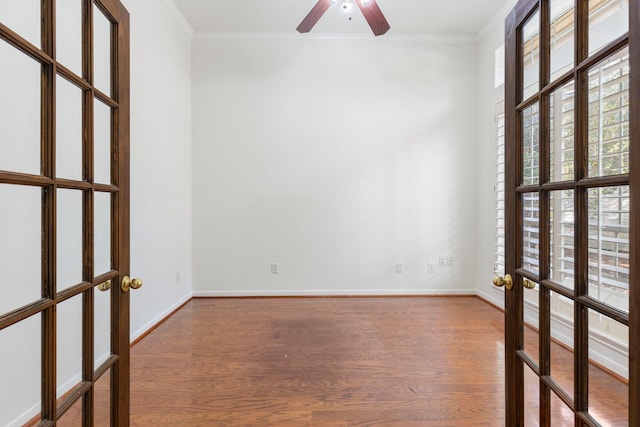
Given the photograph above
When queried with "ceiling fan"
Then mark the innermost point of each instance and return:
(369, 9)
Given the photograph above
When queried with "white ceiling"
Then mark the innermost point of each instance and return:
(406, 17)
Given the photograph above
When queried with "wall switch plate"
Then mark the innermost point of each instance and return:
(431, 268)
(274, 268)
(449, 261)
(399, 268)
(177, 278)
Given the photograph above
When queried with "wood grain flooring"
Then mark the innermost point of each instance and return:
(322, 362)
(395, 362)
(338, 362)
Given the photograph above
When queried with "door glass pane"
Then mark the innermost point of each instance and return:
(562, 348)
(19, 111)
(608, 19)
(23, 17)
(609, 245)
(102, 51)
(68, 130)
(69, 345)
(562, 220)
(20, 352)
(561, 414)
(562, 38)
(531, 56)
(608, 370)
(609, 116)
(102, 325)
(102, 400)
(20, 245)
(531, 322)
(102, 143)
(73, 416)
(531, 145)
(531, 398)
(69, 34)
(102, 233)
(531, 232)
(69, 237)
(561, 133)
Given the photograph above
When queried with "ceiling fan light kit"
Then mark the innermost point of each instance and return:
(369, 8)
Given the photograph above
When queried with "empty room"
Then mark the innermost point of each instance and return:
(322, 213)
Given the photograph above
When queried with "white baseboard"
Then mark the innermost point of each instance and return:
(334, 292)
(497, 299)
(153, 322)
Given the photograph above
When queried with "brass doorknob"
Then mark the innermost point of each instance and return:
(128, 283)
(529, 284)
(505, 281)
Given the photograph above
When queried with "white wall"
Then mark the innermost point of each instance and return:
(335, 159)
(490, 38)
(160, 160)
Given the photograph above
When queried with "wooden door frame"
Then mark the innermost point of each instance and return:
(514, 369)
(120, 384)
(514, 366)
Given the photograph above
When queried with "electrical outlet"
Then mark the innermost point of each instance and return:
(442, 260)
(400, 268)
(274, 268)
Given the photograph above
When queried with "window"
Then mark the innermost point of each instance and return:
(499, 190)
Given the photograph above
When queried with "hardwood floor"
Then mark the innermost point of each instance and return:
(323, 362)
(337, 362)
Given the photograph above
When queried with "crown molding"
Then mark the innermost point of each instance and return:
(423, 39)
(178, 13)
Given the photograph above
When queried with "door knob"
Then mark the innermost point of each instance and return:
(529, 284)
(128, 283)
(505, 281)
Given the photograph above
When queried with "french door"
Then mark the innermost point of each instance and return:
(64, 213)
(572, 215)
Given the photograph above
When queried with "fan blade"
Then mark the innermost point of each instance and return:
(316, 13)
(374, 17)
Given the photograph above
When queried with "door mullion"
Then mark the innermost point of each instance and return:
(48, 169)
(634, 226)
(544, 310)
(581, 313)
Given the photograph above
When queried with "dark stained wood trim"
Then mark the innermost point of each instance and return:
(605, 181)
(602, 308)
(73, 291)
(23, 45)
(603, 53)
(581, 329)
(72, 185)
(105, 188)
(634, 232)
(71, 397)
(514, 392)
(106, 365)
(25, 312)
(527, 188)
(120, 223)
(72, 77)
(49, 221)
(559, 391)
(528, 274)
(24, 179)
